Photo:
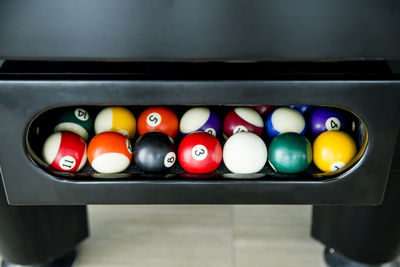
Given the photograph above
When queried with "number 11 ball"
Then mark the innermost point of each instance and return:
(324, 119)
(154, 152)
(65, 151)
(200, 152)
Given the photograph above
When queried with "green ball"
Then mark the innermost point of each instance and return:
(290, 153)
(76, 120)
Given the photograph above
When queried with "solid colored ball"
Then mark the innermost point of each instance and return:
(154, 152)
(109, 152)
(245, 153)
(333, 150)
(289, 153)
(303, 109)
(75, 120)
(200, 152)
(243, 119)
(284, 120)
(263, 110)
(324, 119)
(65, 151)
(199, 119)
(158, 119)
(116, 119)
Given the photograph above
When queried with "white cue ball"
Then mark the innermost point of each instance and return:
(245, 153)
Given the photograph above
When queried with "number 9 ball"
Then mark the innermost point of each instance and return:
(200, 152)
(154, 152)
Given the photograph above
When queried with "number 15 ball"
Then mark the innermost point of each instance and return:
(200, 152)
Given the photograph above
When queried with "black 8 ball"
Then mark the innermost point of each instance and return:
(154, 152)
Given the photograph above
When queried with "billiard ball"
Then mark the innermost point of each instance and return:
(199, 152)
(303, 109)
(154, 152)
(325, 119)
(65, 151)
(76, 120)
(109, 152)
(243, 119)
(333, 150)
(159, 119)
(116, 119)
(199, 119)
(283, 120)
(245, 153)
(289, 153)
(263, 110)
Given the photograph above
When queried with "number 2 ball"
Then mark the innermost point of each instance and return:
(154, 152)
(75, 120)
(199, 119)
(109, 152)
(65, 151)
(243, 119)
(324, 119)
(158, 119)
(200, 153)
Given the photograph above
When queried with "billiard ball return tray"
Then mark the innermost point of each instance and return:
(366, 89)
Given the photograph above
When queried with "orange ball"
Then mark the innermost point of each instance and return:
(158, 119)
(109, 152)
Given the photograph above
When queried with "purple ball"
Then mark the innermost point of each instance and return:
(324, 119)
(199, 119)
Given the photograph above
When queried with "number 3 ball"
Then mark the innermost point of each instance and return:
(158, 119)
(109, 152)
(199, 119)
(333, 150)
(65, 151)
(324, 119)
(77, 121)
(200, 153)
(243, 119)
(284, 120)
(245, 153)
(154, 152)
(115, 119)
(290, 153)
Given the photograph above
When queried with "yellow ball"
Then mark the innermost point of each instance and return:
(333, 150)
(116, 119)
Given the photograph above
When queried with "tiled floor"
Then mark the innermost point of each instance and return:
(191, 236)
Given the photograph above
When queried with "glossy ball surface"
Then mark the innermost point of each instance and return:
(199, 119)
(263, 110)
(154, 152)
(116, 119)
(109, 152)
(159, 119)
(200, 153)
(324, 119)
(76, 120)
(303, 109)
(65, 151)
(289, 153)
(333, 150)
(245, 153)
(243, 119)
(284, 120)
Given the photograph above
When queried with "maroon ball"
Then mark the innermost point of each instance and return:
(243, 119)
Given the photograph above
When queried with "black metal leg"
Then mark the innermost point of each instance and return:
(368, 235)
(32, 235)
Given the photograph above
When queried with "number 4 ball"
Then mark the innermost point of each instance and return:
(324, 119)
(200, 153)
(65, 151)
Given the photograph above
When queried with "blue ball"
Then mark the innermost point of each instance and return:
(324, 119)
(303, 109)
(283, 120)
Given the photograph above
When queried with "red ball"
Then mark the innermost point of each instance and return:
(243, 119)
(158, 119)
(263, 110)
(65, 151)
(200, 152)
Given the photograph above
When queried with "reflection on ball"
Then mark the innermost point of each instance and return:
(159, 119)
